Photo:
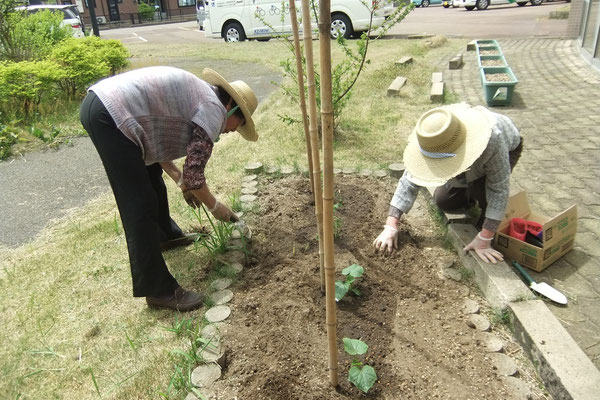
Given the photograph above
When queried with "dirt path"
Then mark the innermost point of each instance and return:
(38, 187)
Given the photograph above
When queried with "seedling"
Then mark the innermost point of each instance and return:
(217, 241)
(341, 288)
(360, 375)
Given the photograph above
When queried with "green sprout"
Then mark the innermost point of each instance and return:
(360, 375)
(341, 288)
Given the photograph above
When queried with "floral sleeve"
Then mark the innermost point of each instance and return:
(199, 151)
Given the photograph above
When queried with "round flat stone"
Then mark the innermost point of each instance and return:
(519, 389)
(249, 190)
(478, 322)
(218, 313)
(247, 198)
(221, 283)
(221, 297)
(211, 332)
(396, 170)
(365, 172)
(213, 353)
(249, 184)
(236, 256)
(287, 170)
(470, 307)
(205, 375)
(348, 171)
(254, 167)
(337, 171)
(503, 364)
(272, 169)
(493, 344)
(233, 268)
(453, 274)
(249, 178)
(380, 173)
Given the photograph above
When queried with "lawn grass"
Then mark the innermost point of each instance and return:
(71, 328)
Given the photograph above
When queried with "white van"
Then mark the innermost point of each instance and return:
(238, 20)
(483, 4)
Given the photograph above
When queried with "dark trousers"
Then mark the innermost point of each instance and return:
(141, 197)
(449, 198)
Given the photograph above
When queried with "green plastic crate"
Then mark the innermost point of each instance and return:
(486, 42)
(498, 93)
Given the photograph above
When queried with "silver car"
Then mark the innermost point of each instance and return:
(70, 18)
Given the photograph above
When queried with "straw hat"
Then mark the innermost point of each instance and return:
(244, 97)
(445, 142)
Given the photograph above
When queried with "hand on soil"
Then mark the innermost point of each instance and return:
(387, 239)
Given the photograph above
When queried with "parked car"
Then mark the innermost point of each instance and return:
(262, 19)
(70, 18)
(425, 3)
(483, 4)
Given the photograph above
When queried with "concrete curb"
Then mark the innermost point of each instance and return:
(564, 368)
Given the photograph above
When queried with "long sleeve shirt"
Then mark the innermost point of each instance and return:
(493, 164)
(168, 113)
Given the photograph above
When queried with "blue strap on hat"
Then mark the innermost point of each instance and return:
(436, 155)
(230, 112)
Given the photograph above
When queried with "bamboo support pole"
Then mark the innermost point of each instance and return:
(327, 131)
(313, 127)
(299, 69)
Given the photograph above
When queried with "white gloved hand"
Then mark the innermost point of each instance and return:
(387, 239)
(483, 248)
(223, 213)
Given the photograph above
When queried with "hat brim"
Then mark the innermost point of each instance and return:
(427, 171)
(248, 131)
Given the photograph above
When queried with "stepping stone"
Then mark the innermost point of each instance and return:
(250, 184)
(348, 171)
(233, 268)
(365, 172)
(470, 307)
(205, 375)
(247, 198)
(451, 273)
(235, 256)
(287, 170)
(478, 322)
(221, 297)
(272, 170)
(456, 62)
(492, 343)
(218, 313)
(395, 86)
(380, 173)
(211, 332)
(213, 354)
(437, 77)
(221, 283)
(337, 171)
(254, 167)
(241, 229)
(472, 45)
(249, 178)
(503, 364)
(519, 390)
(249, 190)
(404, 61)
(396, 170)
(437, 92)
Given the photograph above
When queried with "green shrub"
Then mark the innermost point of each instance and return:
(8, 137)
(146, 11)
(86, 61)
(24, 85)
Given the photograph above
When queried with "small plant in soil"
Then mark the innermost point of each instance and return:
(342, 288)
(360, 375)
(216, 241)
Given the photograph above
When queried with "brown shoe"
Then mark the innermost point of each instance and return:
(180, 300)
(185, 240)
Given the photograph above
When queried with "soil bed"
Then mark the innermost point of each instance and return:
(409, 316)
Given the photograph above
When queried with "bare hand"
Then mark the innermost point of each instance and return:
(483, 248)
(387, 239)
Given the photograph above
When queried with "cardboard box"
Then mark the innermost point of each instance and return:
(558, 234)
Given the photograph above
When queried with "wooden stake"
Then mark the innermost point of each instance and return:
(299, 69)
(313, 127)
(327, 131)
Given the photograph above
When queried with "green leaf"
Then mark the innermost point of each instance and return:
(354, 270)
(354, 346)
(340, 290)
(363, 378)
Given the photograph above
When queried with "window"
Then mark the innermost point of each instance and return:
(186, 3)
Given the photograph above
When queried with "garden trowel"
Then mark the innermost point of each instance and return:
(542, 288)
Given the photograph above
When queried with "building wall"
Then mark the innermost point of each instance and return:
(589, 33)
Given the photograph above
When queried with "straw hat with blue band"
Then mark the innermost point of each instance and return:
(446, 141)
(243, 96)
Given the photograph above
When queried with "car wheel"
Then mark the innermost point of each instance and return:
(263, 39)
(482, 4)
(425, 3)
(469, 8)
(521, 4)
(234, 32)
(341, 25)
(536, 2)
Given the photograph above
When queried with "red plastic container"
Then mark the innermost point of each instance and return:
(518, 228)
